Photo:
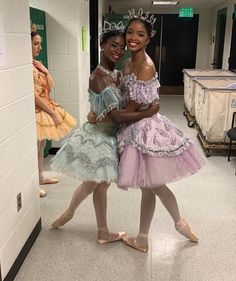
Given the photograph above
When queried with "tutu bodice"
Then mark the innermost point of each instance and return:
(90, 153)
(45, 125)
(143, 92)
(104, 102)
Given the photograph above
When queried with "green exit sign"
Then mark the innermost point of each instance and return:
(186, 12)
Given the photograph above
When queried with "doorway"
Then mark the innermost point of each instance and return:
(93, 26)
(232, 58)
(173, 48)
(219, 39)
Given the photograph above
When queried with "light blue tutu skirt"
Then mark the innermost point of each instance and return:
(90, 153)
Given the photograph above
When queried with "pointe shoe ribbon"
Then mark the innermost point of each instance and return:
(118, 237)
(131, 242)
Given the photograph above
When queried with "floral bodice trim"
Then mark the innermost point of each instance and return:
(104, 102)
(40, 83)
(143, 92)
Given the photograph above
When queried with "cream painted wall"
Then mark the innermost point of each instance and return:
(68, 63)
(18, 145)
(203, 41)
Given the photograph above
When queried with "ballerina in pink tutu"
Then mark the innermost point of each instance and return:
(154, 152)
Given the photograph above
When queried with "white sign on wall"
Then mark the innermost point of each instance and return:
(2, 43)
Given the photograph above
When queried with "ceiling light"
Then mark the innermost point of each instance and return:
(165, 2)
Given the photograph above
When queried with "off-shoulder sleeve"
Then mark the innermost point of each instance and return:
(105, 102)
(144, 92)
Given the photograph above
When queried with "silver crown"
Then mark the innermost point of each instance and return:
(108, 26)
(145, 17)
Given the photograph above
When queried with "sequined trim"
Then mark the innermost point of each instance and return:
(164, 152)
(91, 166)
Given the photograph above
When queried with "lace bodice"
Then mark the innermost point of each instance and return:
(143, 92)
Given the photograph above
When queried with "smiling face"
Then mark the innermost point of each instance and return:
(136, 36)
(36, 45)
(114, 48)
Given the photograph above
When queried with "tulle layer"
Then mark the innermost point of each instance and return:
(137, 169)
(46, 128)
(89, 154)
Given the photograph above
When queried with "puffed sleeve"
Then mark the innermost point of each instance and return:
(144, 92)
(105, 102)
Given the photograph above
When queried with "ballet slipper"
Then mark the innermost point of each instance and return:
(116, 236)
(131, 242)
(63, 219)
(48, 181)
(183, 228)
(42, 193)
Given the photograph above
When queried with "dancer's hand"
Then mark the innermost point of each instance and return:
(40, 67)
(92, 117)
(56, 118)
(154, 108)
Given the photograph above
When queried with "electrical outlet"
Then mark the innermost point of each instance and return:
(18, 202)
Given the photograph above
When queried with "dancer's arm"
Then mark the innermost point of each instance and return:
(130, 114)
(126, 115)
(45, 71)
(41, 103)
(45, 107)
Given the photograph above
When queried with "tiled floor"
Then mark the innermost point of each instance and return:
(207, 200)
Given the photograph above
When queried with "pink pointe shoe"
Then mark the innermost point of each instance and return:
(63, 219)
(105, 237)
(132, 242)
(183, 228)
(42, 193)
(48, 181)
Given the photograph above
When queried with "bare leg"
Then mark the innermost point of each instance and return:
(169, 201)
(42, 180)
(100, 206)
(41, 145)
(148, 203)
(80, 194)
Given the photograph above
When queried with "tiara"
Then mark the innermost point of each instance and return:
(108, 26)
(145, 17)
(33, 27)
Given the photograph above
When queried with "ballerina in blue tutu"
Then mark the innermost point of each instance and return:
(90, 153)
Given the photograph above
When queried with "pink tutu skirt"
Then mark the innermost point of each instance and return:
(154, 152)
(137, 169)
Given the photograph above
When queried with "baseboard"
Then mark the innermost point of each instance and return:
(24, 252)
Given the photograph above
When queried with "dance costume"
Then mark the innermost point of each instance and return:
(46, 128)
(90, 153)
(154, 152)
